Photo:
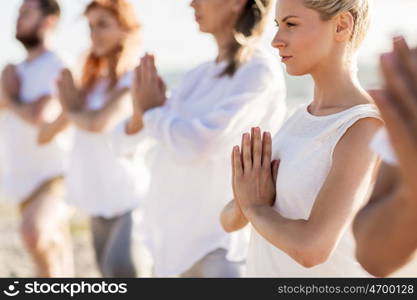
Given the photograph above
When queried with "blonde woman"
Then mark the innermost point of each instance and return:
(301, 205)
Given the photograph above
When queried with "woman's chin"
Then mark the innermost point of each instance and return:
(98, 52)
(203, 30)
(103, 51)
(294, 71)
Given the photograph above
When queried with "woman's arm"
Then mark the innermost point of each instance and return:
(212, 133)
(49, 131)
(105, 118)
(310, 242)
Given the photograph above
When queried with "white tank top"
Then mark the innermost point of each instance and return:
(305, 146)
(26, 164)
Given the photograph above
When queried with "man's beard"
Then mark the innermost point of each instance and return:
(30, 40)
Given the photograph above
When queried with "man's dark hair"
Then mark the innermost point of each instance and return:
(49, 7)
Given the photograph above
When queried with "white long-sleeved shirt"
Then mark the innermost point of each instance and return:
(190, 164)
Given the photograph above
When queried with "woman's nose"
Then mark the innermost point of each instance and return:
(277, 41)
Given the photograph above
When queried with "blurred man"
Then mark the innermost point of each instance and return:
(32, 175)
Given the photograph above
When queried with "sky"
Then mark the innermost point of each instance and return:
(171, 33)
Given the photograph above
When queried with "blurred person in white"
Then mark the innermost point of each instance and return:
(302, 204)
(32, 175)
(385, 228)
(194, 130)
(105, 186)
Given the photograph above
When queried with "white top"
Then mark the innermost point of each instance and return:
(99, 182)
(195, 132)
(382, 146)
(25, 164)
(305, 146)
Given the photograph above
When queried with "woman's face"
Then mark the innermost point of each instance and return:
(214, 16)
(105, 31)
(304, 41)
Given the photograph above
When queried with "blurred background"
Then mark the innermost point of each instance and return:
(171, 33)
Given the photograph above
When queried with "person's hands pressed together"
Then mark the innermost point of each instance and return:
(148, 89)
(254, 176)
(398, 105)
(68, 94)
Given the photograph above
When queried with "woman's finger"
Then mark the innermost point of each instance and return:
(266, 150)
(153, 64)
(143, 72)
(161, 85)
(256, 147)
(246, 151)
(236, 162)
(275, 167)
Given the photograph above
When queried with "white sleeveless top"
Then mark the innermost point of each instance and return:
(25, 164)
(99, 182)
(305, 146)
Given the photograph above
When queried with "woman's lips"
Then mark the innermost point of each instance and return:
(285, 58)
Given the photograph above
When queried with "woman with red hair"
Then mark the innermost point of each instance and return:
(103, 185)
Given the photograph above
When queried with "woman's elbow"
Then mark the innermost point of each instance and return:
(310, 257)
(44, 139)
(231, 223)
(228, 228)
(226, 224)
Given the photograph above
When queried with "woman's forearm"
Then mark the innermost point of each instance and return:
(49, 131)
(104, 118)
(93, 120)
(297, 238)
(232, 218)
(134, 125)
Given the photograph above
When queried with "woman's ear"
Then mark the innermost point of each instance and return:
(344, 25)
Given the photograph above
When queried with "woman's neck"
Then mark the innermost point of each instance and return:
(336, 87)
(223, 40)
(111, 64)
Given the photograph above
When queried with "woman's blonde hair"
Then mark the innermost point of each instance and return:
(359, 9)
(248, 28)
(94, 66)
